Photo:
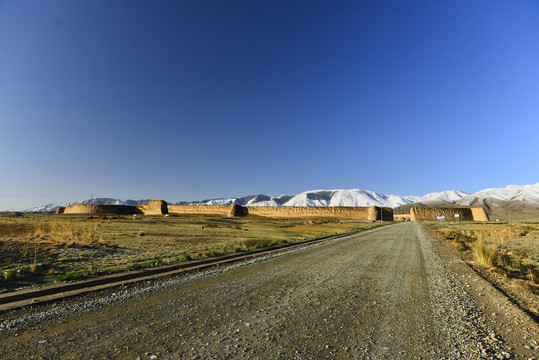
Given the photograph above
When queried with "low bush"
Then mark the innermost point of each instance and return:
(487, 254)
(213, 253)
(187, 257)
(10, 275)
(68, 276)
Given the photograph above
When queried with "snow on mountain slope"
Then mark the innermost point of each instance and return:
(353, 197)
(510, 193)
(97, 201)
(522, 194)
(451, 196)
(358, 197)
(50, 207)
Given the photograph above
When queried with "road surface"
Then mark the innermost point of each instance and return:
(395, 292)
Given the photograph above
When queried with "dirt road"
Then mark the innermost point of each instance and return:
(389, 293)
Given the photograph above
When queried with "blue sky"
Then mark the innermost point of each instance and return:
(188, 100)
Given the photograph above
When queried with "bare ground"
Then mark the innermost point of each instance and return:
(394, 292)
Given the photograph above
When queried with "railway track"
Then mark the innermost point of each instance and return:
(25, 297)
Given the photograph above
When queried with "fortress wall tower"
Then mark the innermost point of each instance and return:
(372, 213)
(238, 210)
(479, 214)
(156, 207)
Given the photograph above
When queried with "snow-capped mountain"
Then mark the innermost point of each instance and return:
(511, 195)
(342, 197)
(98, 201)
(523, 195)
(451, 197)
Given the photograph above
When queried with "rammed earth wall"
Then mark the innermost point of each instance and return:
(159, 207)
(104, 209)
(330, 212)
(199, 210)
(431, 214)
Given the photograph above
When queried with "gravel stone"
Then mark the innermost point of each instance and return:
(391, 292)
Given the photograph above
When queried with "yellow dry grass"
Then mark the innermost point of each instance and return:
(486, 253)
(47, 244)
(509, 249)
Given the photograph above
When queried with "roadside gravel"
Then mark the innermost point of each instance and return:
(388, 293)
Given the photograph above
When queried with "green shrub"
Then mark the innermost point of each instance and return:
(156, 262)
(187, 257)
(68, 276)
(10, 275)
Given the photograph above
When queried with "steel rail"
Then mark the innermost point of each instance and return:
(47, 293)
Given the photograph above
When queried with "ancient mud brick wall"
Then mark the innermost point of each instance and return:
(430, 213)
(299, 212)
(331, 212)
(199, 209)
(401, 217)
(159, 207)
(88, 209)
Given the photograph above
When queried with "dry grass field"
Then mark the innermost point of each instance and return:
(42, 248)
(506, 254)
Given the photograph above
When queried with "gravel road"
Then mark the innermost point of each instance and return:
(390, 293)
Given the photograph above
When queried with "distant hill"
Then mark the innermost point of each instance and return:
(98, 201)
(353, 197)
(517, 197)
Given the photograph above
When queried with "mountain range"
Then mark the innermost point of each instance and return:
(513, 196)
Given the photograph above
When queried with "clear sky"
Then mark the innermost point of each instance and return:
(189, 100)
